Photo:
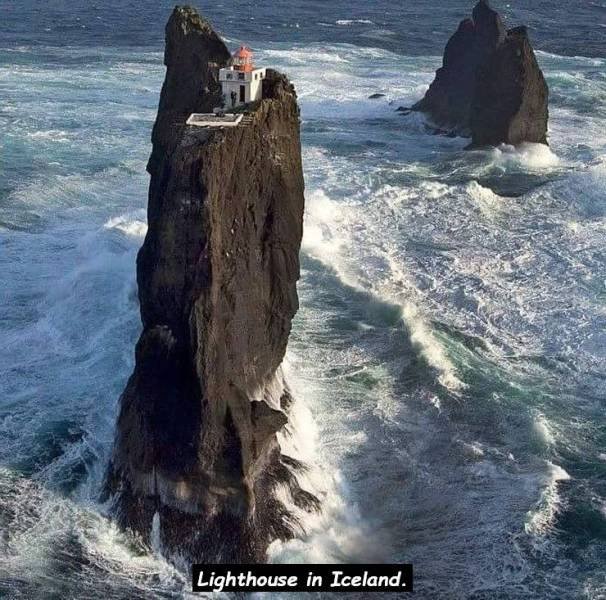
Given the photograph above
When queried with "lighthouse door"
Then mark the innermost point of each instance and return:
(242, 93)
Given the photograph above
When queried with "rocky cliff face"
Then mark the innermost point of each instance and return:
(449, 98)
(196, 435)
(511, 98)
(490, 86)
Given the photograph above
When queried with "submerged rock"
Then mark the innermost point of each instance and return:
(196, 438)
(481, 61)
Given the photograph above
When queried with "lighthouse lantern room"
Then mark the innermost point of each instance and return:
(240, 81)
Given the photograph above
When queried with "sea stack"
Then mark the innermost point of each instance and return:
(196, 453)
(510, 104)
(490, 86)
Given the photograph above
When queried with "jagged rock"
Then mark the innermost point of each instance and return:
(196, 434)
(480, 61)
(193, 55)
(511, 100)
(448, 100)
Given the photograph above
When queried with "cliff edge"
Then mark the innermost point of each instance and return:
(196, 439)
(490, 86)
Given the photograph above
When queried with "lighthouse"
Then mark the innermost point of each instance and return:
(240, 82)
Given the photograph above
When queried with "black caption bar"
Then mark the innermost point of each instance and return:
(302, 578)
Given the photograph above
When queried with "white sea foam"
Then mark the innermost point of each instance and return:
(423, 337)
(435, 401)
(43, 538)
(334, 81)
(54, 135)
(111, 551)
(574, 60)
(526, 155)
(324, 236)
(133, 224)
(307, 57)
(327, 223)
(488, 202)
(337, 531)
(544, 430)
(540, 520)
(156, 534)
(354, 21)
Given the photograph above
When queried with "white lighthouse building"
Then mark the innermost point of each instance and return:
(241, 82)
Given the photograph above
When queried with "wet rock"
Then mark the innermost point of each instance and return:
(403, 111)
(511, 100)
(481, 60)
(193, 55)
(196, 434)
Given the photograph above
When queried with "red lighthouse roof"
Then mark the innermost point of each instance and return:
(243, 52)
(242, 59)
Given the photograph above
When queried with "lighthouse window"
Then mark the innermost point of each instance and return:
(229, 76)
(240, 75)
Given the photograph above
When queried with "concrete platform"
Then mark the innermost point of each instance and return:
(212, 120)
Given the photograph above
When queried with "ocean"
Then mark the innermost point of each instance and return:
(449, 356)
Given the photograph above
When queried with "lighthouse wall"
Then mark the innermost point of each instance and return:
(252, 81)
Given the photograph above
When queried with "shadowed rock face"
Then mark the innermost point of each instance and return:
(196, 435)
(510, 103)
(450, 96)
(193, 55)
(490, 86)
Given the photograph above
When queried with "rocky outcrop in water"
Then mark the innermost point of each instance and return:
(490, 86)
(449, 98)
(196, 438)
(510, 103)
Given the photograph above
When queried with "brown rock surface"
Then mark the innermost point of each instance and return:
(490, 86)
(196, 435)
